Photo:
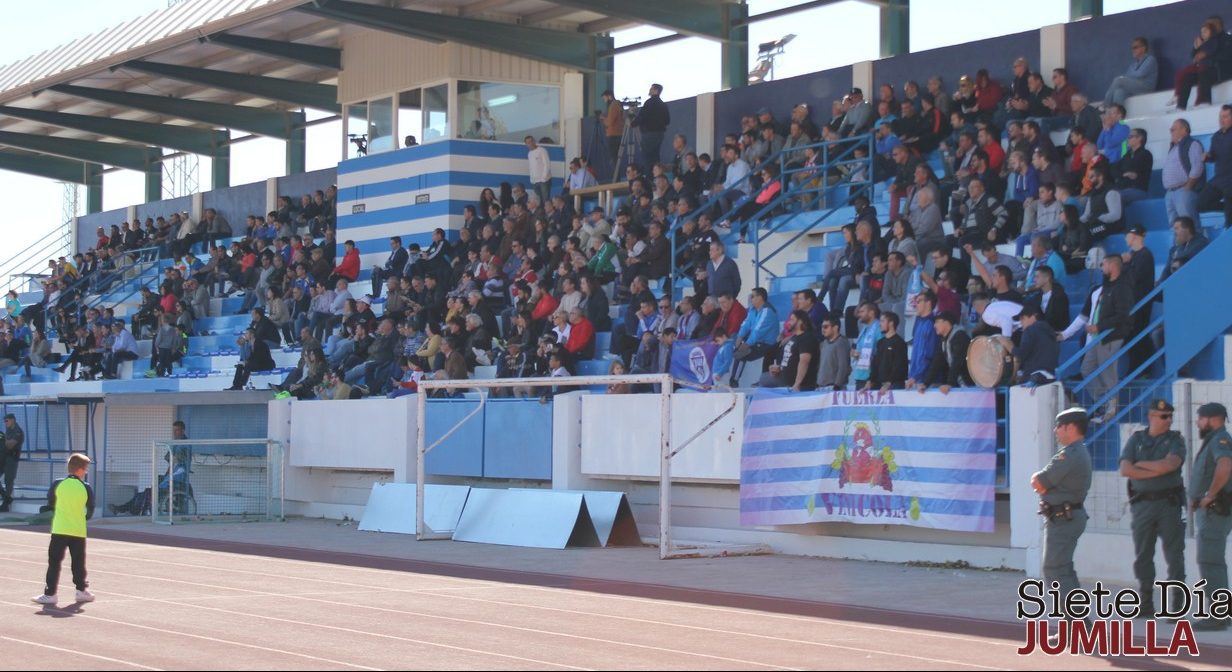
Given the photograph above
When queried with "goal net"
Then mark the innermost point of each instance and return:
(214, 480)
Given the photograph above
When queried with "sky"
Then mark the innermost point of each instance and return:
(830, 36)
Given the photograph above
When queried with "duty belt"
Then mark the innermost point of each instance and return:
(1221, 505)
(1176, 494)
(1062, 511)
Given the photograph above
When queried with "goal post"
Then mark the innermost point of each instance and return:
(667, 451)
(483, 387)
(197, 480)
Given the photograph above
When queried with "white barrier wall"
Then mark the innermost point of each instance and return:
(1032, 412)
(620, 436)
(336, 450)
(378, 434)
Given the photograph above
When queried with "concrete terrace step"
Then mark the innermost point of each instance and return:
(816, 268)
(791, 283)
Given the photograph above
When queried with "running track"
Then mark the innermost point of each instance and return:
(222, 605)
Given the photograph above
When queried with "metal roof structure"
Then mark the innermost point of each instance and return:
(180, 78)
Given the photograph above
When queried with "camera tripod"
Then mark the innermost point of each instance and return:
(630, 146)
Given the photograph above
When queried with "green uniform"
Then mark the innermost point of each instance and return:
(1212, 528)
(73, 502)
(1067, 478)
(1158, 508)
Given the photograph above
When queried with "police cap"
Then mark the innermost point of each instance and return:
(1212, 409)
(1071, 415)
(1162, 406)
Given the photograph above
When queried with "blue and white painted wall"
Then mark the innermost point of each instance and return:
(410, 192)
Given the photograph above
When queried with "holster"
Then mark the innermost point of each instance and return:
(1062, 511)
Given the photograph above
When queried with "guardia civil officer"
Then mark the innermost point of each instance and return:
(1152, 460)
(1062, 486)
(1210, 495)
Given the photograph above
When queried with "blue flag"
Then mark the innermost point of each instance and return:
(693, 361)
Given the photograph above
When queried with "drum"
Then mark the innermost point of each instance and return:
(989, 362)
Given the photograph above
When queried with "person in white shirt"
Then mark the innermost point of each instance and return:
(570, 296)
(540, 168)
(995, 316)
(123, 349)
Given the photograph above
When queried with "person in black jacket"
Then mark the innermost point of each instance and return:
(1133, 171)
(948, 368)
(1038, 352)
(1050, 297)
(258, 358)
(1110, 317)
(265, 328)
(1140, 273)
(889, 366)
(652, 120)
(393, 265)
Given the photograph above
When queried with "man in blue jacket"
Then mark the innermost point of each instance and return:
(759, 332)
(923, 338)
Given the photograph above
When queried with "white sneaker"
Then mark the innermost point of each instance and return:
(44, 599)
(84, 596)
(1171, 103)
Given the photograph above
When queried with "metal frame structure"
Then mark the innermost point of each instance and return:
(42, 421)
(273, 472)
(667, 549)
(239, 64)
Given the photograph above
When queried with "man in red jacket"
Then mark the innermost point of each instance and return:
(349, 268)
(581, 343)
(731, 314)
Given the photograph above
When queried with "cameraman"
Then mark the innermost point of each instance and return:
(652, 120)
(613, 125)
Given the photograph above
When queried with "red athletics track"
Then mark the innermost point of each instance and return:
(204, 604)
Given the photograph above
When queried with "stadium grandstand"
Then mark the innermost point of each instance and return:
(920, 246)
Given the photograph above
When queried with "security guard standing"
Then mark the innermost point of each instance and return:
(1152, 460)
(11, 440)
(1062, 486)
(1210, 494)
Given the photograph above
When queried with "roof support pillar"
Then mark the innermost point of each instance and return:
(895, 28)
(595, 83)
(297, 138)
(154, 183)
(220, 160)
(735, 48)
(1085, 9)
(94, 188)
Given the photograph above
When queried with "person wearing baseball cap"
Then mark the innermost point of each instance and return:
(1062, 486)
(1210, 495)
(948, 367)
(1152, 459)
(1038, 352)
(859, 117)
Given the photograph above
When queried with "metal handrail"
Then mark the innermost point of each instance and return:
(31, 256)
(117, 273)
(864, 186)
(1133, 376)
(781, 155)
(1097, 338)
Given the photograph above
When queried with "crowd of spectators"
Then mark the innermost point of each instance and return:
(274, 261)
(528, 284)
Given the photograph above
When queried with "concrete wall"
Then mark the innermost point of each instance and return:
(1098, 50)
(236, 203)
